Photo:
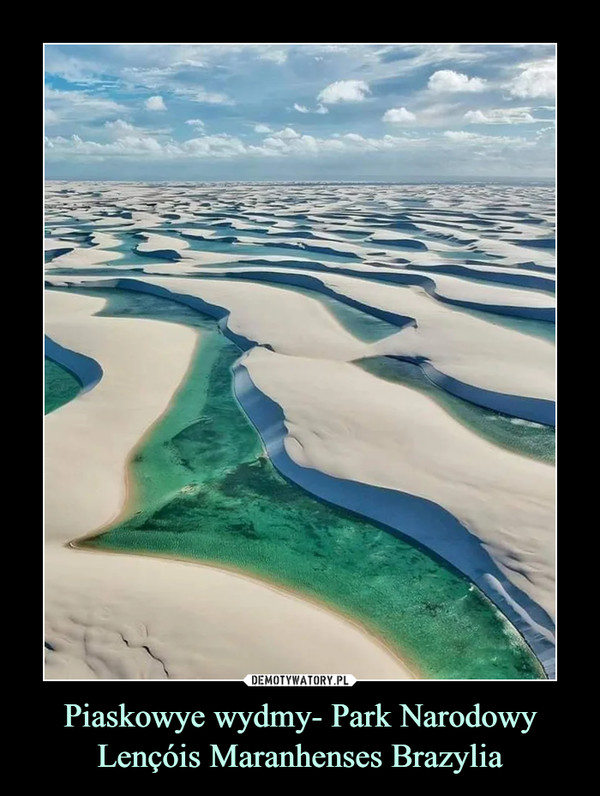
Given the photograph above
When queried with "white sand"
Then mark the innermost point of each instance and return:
(447, 286)
(52, 244)
(290, 322)
(341, 420)
(102, 610)
(84, 258)
(458, 344)
(143, 363)
(200, 622)
(152, 243)
(483, 268)
(104, 240)
(491, 293)
(350, 424)
(58, 231)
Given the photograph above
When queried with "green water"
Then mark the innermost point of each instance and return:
(60, 386)
(205, 490)
(518, 436)
(542, 329)
(362, 325)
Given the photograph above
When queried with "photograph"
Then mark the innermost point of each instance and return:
(299, 370)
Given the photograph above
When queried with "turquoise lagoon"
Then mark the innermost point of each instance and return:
(204, 489)
(518, 436)
(60, 386)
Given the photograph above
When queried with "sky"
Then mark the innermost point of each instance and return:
(347, 112)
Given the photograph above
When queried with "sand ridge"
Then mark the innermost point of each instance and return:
(121, 617)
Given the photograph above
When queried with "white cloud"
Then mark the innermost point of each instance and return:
(191, 62)
(494, 141)
(289, 143)
(144, 147)
(440, 113)
(155, 103)
(119, 128)
(51, 117)
(79, 106)
(195, 123)
(282, 143)
(219, 146)
(138, 145)
(277, 56)
(262, 128)
(303, 109)
(344, 91)
(131, 145)
(398, 116)
(500, 116)
(477, 117)
(286, 133)
(199, 94)
(445, 80)
(416, 56)
(546, 132)
(537, 79)
(462, 135)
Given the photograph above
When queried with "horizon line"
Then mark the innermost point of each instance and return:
(408, 181)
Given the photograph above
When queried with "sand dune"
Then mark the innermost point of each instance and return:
(110, 616)
(422, 259)
(349, 424)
